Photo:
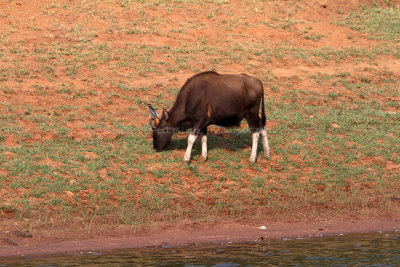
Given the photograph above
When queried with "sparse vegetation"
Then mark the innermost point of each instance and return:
(75, 145)
(380, 23)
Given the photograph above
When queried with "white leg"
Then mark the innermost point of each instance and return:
(265, 141)
(204, 147)
(191, 139)
(254, 147)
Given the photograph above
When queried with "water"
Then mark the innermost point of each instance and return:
(377, 249)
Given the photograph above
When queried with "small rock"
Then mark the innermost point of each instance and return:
(262, 227)
(334, 125)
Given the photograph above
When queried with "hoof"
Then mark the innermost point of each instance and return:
(186, 162)
(203, 159)
(251, 162)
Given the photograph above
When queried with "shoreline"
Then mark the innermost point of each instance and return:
(196, 233)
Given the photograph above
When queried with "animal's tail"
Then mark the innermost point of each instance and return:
(263, 118)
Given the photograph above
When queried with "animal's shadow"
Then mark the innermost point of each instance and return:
(229, 140)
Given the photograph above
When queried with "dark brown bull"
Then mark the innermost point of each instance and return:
(211, 98)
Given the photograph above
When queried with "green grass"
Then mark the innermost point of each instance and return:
(74, 137)
(380, 23)
(303, 141)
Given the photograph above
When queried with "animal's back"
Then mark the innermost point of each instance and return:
(225, 98)
(233, 90)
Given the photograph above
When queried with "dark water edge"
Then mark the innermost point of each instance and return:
(371, 249)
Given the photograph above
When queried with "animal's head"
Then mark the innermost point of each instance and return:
(161, 133)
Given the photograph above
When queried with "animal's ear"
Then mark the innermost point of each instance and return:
(165, 114)
(153, 112)
(152, 123)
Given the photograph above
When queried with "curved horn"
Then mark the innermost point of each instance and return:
(153, 112)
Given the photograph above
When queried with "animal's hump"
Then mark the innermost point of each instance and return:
(204, 73)
(199, 74)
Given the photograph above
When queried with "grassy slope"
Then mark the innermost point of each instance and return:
(74, 139)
